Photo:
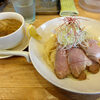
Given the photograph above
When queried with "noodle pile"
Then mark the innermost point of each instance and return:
(50, 51)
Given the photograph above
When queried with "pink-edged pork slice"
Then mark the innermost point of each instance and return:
(93, 50)
(77, 61)
(62, 69)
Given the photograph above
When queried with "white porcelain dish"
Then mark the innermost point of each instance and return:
(12, 40)
(89, 86)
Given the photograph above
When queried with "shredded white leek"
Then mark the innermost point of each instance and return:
(71, 35)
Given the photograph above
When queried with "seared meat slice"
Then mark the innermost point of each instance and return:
(82, 76)
(93, 50)
(94, 68)
(61, 65)
(77, 61)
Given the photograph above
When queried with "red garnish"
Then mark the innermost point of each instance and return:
(70, 24)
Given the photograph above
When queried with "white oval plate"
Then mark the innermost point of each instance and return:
(89, 86)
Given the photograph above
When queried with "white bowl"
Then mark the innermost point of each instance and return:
(13, 39)
(89, 86)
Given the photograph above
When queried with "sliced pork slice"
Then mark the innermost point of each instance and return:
(82, 76)
(94, 68)
(61, 65)
(93, 50)
(77, 61)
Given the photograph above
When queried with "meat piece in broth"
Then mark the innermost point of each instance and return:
(93, 50)
(77, 61)
(61, 64)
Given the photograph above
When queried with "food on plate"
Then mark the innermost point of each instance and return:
(62, 69)
(92, 50)
(8, 26)
(82, 76)
(77, 61)
(31, 32)
(50, 51)
(94, 68)
(70, 52)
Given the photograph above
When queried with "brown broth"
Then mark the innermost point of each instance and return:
(8, 26)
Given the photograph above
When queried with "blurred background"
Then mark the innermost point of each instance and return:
(53, 6)
(42, 6)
